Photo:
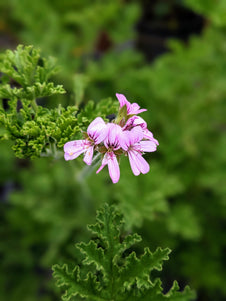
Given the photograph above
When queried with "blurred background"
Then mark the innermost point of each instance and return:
(170, 57)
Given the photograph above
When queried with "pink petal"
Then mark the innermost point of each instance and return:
(143, 164)
(129, 138)
(140, 121)
(114, 132)
(122, 100)
(138, 163)
(100, 135)
(72, 146)
(129, 124)
(148, 146)
(125, 140)
(133, 122)
(132, 108)
(89, 155)
(95, 123)
(103, 163)
(72, 156)
(73, 149)
(136, 134)
(133, 163)
(97, 130)
(113, 136)
(113, 168)
(140, 111)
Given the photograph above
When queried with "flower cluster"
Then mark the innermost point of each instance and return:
(127, 134)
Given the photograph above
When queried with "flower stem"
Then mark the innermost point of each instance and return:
(87, 170)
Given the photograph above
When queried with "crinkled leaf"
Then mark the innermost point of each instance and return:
(74, 285)
(112, 274)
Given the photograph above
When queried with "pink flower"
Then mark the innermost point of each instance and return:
(126, 135)
(135, 121)
(96, 132)
(132, 143)
(112, 144)
(132, 108)
(138, 121)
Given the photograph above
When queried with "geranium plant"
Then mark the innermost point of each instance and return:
(111, 270)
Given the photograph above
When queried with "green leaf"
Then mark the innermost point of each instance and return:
(87, 287)
(143, 266)
(30, 72)
(111, 270)
(38, 131)
(93, 254)
(26, 66)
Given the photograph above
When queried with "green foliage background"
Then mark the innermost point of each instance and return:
(46, 203)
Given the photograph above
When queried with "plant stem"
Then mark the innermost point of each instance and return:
(34, 105)
(87, 170)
